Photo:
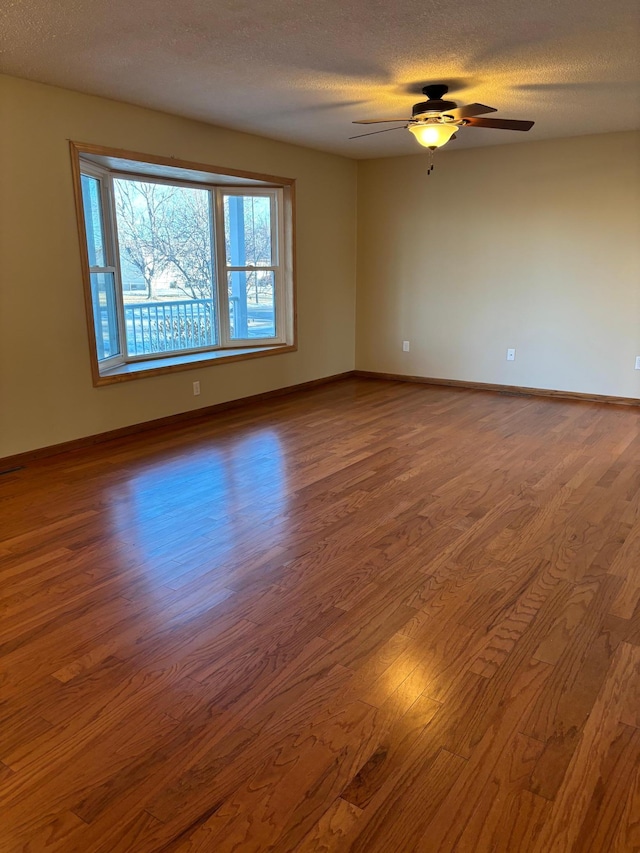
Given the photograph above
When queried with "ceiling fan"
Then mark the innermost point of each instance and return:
(434, 122)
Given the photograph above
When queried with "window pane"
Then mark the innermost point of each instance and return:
(247, 226)
(166, 263)
(252, 306)
(105, 318)
(93, 220)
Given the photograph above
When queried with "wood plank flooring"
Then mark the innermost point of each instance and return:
(373, 616)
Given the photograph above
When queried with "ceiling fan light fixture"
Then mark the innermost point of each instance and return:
(433, 134)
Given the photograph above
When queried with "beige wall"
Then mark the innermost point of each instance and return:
(534, 246)
(46, 394)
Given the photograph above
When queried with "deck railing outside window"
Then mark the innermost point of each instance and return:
(153, 327)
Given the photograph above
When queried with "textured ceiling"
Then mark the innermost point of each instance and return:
(301, 71)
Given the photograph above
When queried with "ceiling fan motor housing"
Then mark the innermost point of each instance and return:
(433, 107)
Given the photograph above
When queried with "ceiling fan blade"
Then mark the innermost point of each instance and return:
(500, 123)
(470, 110)
(386, 130)
(379, 120)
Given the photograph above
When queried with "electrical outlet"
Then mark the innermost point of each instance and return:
(511, 355)
(196, 389)
(405, 346)
(638, 362)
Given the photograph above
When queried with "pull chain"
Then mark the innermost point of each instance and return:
(430, 166)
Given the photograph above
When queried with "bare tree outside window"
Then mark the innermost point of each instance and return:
(143, 213)
(164, 233)
(186, 244)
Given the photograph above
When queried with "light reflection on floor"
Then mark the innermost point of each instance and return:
(206, 489)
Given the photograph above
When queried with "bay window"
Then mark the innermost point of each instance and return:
(184, 266)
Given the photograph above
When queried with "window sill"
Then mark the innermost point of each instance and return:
(177, 363)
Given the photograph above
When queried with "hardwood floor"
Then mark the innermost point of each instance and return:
(370, 617)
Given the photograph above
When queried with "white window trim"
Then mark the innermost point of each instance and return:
(110, 250)
(277, 241)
